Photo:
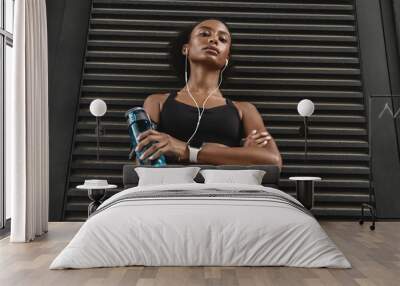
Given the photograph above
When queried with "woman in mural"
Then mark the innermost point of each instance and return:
(197, 123)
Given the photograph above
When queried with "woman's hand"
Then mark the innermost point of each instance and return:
(257, 139)
(163, 144)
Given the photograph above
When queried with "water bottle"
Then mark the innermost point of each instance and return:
(138, 122)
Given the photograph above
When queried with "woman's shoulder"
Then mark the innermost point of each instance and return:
(244, 104)
(153, 105)
(244, 107)
(157, 97)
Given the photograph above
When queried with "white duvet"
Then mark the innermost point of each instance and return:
(200, 231)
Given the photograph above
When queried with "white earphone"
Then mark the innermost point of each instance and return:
(200, 114)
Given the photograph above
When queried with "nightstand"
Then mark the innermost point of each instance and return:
(305, 190)
(96, 192)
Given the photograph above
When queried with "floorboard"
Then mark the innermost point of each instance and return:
(374, 255)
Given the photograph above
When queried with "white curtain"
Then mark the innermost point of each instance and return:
(27, 142)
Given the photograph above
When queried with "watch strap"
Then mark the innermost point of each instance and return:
(193, 154)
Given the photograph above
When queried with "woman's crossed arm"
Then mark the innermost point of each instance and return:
(213, 153)
(261, 154)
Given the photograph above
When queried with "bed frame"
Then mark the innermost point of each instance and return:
(270, 179)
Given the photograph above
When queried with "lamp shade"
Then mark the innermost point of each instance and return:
(305, 107)
(98, 107)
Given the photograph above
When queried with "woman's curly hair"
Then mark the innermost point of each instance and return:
(177, 59)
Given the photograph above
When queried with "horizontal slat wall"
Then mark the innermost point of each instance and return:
(284, 51)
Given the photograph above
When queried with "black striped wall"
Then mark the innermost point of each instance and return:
(283, 51)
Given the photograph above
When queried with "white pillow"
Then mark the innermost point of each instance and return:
(249, 177)
(163, 176)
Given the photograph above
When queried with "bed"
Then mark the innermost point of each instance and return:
(198, 224)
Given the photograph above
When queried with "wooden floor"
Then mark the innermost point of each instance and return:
(375, 256)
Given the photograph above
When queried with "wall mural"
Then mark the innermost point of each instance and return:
(281, 53)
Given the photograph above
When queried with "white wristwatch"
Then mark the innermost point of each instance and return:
(193, 154)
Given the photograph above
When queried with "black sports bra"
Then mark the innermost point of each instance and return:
(220, 124)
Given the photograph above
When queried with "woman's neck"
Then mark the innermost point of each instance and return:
(203, 81)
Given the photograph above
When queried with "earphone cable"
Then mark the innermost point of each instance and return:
(200, 114)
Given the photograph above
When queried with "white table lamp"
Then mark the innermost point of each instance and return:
(98, 108)
(305, 108)
(305, 185)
